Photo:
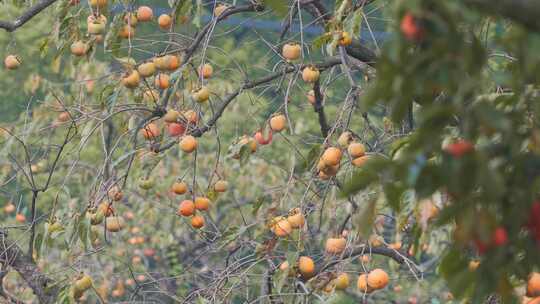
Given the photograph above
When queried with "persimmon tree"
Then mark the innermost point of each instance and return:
(366, 151)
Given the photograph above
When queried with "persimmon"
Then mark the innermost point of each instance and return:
(296, 218)
(9, 208)
(99, 38)
(533, 285)
(358, 162)
(96, 27)
(176, 129)
(201, 95)
(165, 21)
(179, 188)
(534, 301)
(78, 48)
(331, 156)
(186, 208)
(219, 9)
(278, 122)
(145, 13)
(150, 131)
(147, 69)
(500, 236)
(146, 183)
(162, 81)
(197, 221)
(141, 278)
(117, 293)
(12, 62)
(206, 71)
(306, 266)
(364, 258)
(98, 3)
(311, 97)
(127, 32)
(310, 74)
(149, 252)
(459, 148)
(63, 117)
(281, 227)
(82, 284)
(115, 223)
(410, 28)
(473, 265)
(395, 245)
(324, 176)
(335, 245)
(171, 116)
(259, 137)
(191, 116)
(96, 24)
(329, 170)
(131, 19)
(377, 278)
(362, 284)
(115, 193)
(341, 282)
(284, 266)
(291, 51)
(129, 215)
(345, 139)
(249, 141)
(162, 62)
(202, 203)
(173, 62)
(356, 150)
(345, 39)
(131, 79)
(221, 186)
(20, 218)
(188, 144)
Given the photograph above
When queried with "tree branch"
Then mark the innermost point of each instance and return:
(12, 255)
(26, 16)
(198, 132)
(319, 109)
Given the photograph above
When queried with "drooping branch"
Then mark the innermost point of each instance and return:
(13, 256)
(26, 16)
(524, 12)
(396, 255)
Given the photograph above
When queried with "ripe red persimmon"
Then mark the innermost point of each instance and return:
(459, 148)
(411, 28)
(500, 236)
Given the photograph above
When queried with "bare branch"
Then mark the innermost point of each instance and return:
(26, 16)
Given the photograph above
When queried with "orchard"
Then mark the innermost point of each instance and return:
(270, 151)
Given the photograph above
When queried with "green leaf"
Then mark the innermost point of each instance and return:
(453, 267)
(280, 7)
(245, 152)
(83, 230)
(393, 192)
(321, 40)
(258, 203)
(365, 176)
(38, 241)
(310, 160)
